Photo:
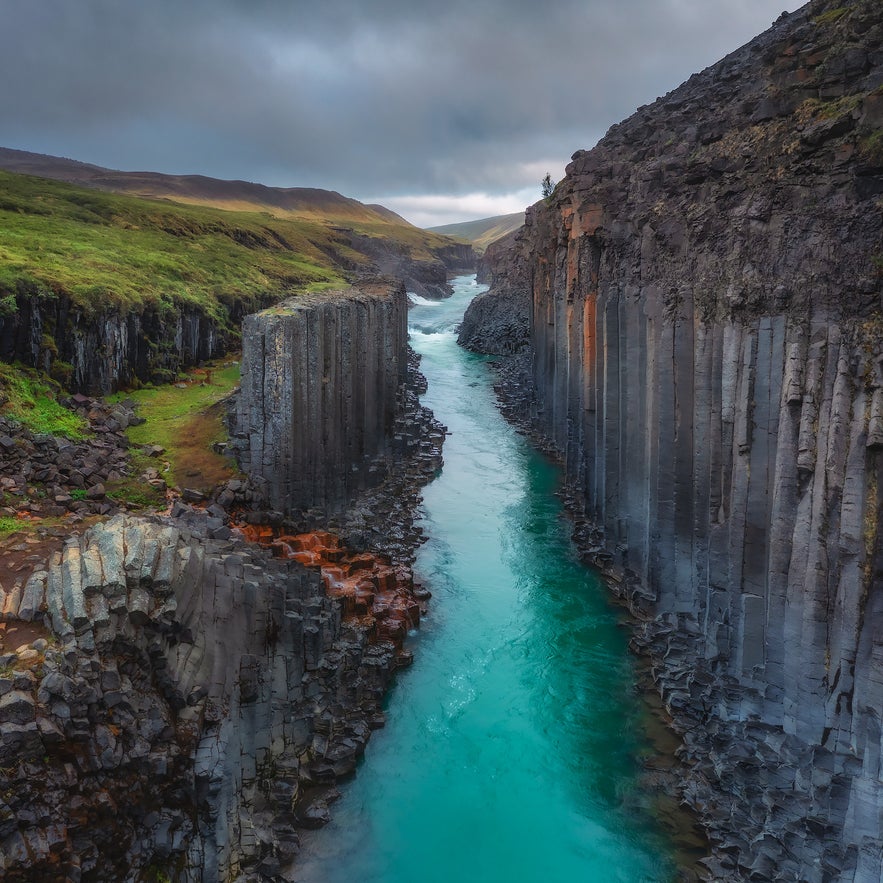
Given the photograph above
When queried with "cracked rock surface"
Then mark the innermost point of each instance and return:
(191, 693)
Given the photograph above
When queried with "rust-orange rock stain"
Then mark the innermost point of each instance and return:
(371, 590)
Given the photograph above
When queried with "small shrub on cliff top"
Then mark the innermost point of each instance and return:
(8, 305)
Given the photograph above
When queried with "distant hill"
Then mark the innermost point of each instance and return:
(243, 196)
(483, 232)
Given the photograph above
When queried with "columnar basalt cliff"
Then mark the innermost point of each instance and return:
(322, 383)
(707, 330)
(177, 703)
(106, 349)
(185, 693)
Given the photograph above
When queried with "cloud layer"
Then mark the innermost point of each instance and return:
(384, 100)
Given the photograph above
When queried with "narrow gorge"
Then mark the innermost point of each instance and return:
(663, 434)
(193, 684)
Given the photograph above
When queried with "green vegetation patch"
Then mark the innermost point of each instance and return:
(185, 418)
(8, 524)
(112, 251)
(104, 250)
(831, 15)
(32, 402)
(135, 494)
(871, 146)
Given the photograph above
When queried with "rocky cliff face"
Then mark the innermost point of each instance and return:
(498, 321)
(322, 383)
(427, 275)
(185, 693)
(708, 359)
(105, 350)
(175, 702)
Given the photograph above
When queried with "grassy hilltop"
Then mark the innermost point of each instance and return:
(107, 249)
(78, 261)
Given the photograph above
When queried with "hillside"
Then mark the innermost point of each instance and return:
(281, 202)
(155, 285)
(480, 234)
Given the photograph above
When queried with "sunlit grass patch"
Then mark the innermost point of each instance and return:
(186, 418)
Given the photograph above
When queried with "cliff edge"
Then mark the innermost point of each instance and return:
(322, 379)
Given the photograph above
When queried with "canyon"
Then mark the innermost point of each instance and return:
(698, 312)
(691, 323)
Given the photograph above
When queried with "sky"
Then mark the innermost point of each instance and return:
(442, 111)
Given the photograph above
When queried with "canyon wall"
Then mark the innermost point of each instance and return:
(322, 384)
(707, 334)
(498, 325)
(99, 348)
(180, 695)
(100, 351)
(176, 702)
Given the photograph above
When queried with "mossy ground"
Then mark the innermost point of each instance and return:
(187, 419)
(107, 250)
(32, 401)
(8, 524)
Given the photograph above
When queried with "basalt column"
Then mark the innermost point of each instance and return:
(321, 382)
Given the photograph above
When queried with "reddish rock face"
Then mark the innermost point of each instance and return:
(373, 592)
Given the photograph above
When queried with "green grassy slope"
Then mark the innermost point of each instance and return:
(106, 249)
(281, 202)
(480, 234)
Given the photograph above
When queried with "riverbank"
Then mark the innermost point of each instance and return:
(174, 700)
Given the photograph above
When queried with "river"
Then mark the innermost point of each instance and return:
(511, 752)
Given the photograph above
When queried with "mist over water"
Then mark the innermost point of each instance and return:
(510, 750)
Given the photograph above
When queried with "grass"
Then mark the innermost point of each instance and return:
(831, 15)
(8, 524)
(136, 494)
(871, 146)
(186, 419)
(32, 402)
(109, 250)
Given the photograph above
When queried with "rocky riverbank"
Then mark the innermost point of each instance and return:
(177, 701)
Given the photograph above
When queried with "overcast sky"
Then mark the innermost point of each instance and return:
(443, 111)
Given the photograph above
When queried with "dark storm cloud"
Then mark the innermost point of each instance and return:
(372, 98)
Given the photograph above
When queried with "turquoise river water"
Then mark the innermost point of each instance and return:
(510, 752)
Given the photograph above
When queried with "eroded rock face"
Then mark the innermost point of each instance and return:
(708, 361)
(322, 382)
(189, 694)
(110, 349)
(497, 322)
